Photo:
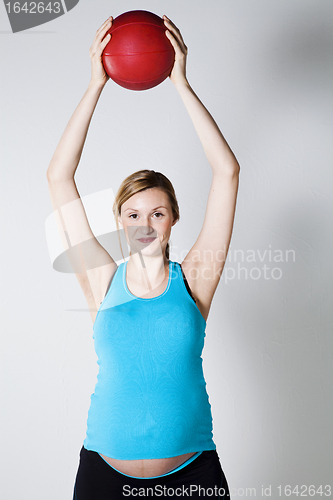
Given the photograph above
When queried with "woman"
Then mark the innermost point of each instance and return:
(149, 423)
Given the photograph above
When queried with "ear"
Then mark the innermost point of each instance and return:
(174, 222)
(119, 221)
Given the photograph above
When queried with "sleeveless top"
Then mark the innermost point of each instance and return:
(150, 399)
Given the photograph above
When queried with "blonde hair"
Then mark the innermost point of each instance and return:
(139, 181)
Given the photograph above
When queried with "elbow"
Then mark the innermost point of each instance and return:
(235, 167)
(50, 176)
(226, 164)
(50, 172)
(55, 175)
(230, 169)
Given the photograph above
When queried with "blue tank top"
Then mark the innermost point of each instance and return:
(150, 399)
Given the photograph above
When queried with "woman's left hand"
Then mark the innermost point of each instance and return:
(178, 73)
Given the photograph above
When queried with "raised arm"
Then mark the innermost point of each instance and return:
(204, 263)
(92, 264)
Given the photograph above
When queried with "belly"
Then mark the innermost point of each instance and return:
(148, 468)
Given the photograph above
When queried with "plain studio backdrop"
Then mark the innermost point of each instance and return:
(263, 68)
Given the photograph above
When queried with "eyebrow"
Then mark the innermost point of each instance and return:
(134, 210)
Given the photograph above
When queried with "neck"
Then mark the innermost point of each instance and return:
(149, 271)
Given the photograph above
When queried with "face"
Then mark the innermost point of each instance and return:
(147, 219)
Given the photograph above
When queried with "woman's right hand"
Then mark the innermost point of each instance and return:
(98, 74)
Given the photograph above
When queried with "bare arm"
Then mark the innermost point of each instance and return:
(218, 152)
(209, 252)
(92, 264)
(66, 157)
(68, 152)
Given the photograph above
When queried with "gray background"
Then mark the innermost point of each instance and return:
(263, 68)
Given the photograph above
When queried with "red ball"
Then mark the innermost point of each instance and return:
(139, 55)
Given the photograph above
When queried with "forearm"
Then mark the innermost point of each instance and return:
(68, 152)
(217, 150)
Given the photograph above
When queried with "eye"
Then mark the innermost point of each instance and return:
(158, 213)
(132, 215)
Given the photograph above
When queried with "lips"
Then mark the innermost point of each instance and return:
(146, 240)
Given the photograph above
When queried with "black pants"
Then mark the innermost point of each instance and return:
(202, 478)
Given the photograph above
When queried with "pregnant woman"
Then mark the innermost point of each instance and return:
(149, 429)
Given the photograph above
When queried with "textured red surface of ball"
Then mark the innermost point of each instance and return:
(139, 55)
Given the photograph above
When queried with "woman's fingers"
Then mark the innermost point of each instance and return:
(103, 29)
(178, 72)
(100, 41)
(105, 41)
(175, 43)
(100, 34)
(107, 22)
(176, 32)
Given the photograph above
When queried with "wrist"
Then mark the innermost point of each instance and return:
(183, 83)
(96, 85)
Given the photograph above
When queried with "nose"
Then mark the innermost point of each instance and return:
(145, 228)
